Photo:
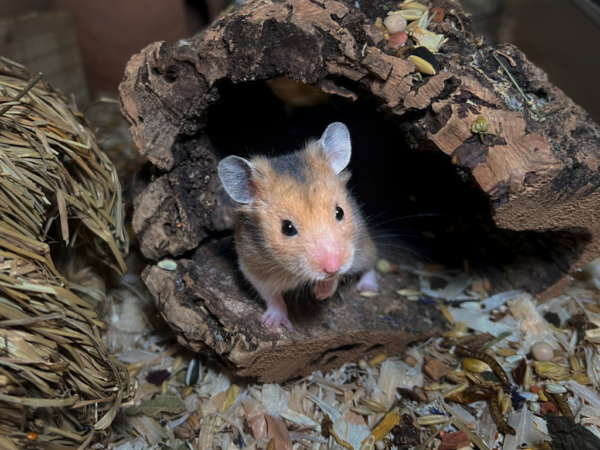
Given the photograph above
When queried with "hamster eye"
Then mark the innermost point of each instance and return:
(288, 228)
(339, 213)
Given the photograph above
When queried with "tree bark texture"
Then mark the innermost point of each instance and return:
(539, 179)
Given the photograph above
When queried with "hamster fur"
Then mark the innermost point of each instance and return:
(297, 223)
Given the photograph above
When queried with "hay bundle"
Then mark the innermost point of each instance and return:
(58, 191)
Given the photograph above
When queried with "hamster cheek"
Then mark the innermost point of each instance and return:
(291, 253)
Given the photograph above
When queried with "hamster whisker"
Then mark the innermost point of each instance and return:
(401, 218)
(376, 237)
(398, 249)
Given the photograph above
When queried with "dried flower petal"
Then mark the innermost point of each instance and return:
(453, 441)
(437, 14)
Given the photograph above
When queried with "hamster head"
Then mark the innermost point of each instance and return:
(298, 206)
(306, 216)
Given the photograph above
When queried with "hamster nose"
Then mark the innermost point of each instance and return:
(330, 262)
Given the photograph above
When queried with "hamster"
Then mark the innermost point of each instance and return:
(297, 223)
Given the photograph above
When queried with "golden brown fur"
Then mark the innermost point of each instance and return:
(309, 201)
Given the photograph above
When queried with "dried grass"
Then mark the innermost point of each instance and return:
(57, 190)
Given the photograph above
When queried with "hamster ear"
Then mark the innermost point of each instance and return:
(336, 142)
(235, 173)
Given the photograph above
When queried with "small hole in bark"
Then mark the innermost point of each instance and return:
(420, 206)
(171, 75)
(542, 97)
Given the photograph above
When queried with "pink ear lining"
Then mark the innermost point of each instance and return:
(234, 173)
(336, 143)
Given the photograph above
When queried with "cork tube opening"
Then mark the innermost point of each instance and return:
(421, 208)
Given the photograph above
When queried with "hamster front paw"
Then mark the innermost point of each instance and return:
(325, 288)
(276, 313)
(273, 318)
(368, 282)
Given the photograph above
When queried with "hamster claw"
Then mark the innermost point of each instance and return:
(273, 318)
(368, 282)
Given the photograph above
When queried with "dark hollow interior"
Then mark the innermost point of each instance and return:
(421, 208)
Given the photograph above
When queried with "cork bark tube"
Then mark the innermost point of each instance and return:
(528, 204)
